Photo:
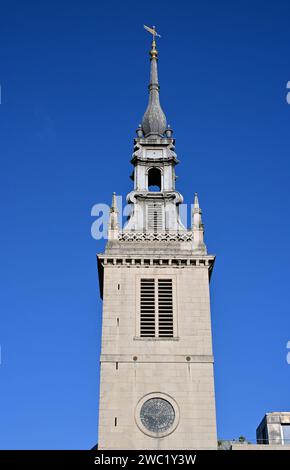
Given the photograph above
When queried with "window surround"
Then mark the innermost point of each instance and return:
(138, 307)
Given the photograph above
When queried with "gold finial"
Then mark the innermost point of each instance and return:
(153, 52)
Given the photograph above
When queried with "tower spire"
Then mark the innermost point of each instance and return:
(154, 120)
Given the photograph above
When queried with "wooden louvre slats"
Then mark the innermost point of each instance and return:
(156, 308)
(155, 217)
(147, 308)
(165, 308)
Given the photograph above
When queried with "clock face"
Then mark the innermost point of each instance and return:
(157, 415)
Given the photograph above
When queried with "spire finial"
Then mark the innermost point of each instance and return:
(114, 207)
(154, 120)
(113, 226)
(153, 52)
(197, 227)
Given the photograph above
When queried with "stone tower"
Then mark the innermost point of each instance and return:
(157, 384)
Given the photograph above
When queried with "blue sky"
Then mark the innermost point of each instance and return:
(74, 78)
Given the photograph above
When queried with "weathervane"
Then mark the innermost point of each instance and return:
(152, 31)
(153, 52)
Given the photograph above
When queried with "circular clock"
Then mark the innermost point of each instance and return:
(157, 415)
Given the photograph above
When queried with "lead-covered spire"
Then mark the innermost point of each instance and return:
(154, 120)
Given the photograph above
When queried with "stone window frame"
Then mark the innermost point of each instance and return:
(157, 167)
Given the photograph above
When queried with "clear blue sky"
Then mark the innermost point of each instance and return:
(74, 78)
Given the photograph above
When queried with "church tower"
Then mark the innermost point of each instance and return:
(157, 384)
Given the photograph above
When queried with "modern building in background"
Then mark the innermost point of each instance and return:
(157, 382)
(273, 433)
(274, 429)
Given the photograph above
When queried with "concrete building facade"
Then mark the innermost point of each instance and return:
(274, 429)
(157, 382)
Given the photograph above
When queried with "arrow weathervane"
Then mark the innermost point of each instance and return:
(152, 31)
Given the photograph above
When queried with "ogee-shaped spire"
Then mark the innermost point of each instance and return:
(154, 120)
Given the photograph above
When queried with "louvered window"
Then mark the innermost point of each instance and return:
(155, 217)
(147, 310)
(156, 308)
(165, 308)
